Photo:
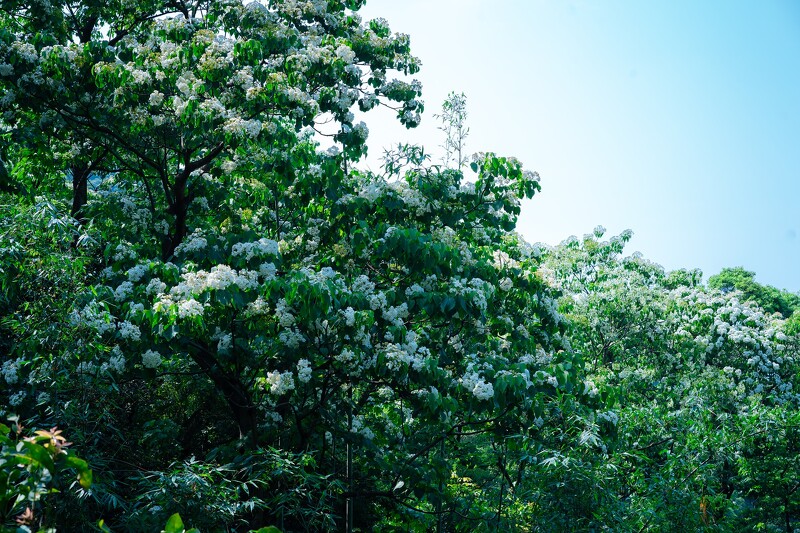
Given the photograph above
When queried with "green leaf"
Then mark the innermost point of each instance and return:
(85, 478)
(40, 455)
(174, 524)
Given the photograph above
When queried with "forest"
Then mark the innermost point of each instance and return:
(211, 322)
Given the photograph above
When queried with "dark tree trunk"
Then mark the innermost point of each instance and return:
(179, 207)
(235, 393)
(80, 190)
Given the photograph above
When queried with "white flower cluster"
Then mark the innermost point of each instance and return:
(505, 284)
(194, 243)
(129, 331)
(415, 291)
(17, 398)
(258, 307)
(124, 291)
(9, 371)
(372, 191)
(395, 315)
(225, 342)
(260, 248)
(280, 382)
(243, 128)
(123, 253)
(501, 260)
(92, 317)
(156, 99)
(608, 416)
(361, 428)
(345, 53)
(116, 362)
(151, 359)
(136, 273)
(283, 314)
(413, 198)
(349, 316)
(477, 385)
(738, 335)
(268, 271)
(304, 371)
(155, 286)
(409, 354)
(192, 284)
(189, 308)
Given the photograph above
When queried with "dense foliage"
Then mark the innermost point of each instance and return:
(240, 329)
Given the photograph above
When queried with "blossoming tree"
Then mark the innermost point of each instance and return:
(707, 388)
(222, 287)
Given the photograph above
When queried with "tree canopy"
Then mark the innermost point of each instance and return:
(239, 327)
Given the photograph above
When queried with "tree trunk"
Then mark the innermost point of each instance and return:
(180, 209)
(235, 394)
(80, 190)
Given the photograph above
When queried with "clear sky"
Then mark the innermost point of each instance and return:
(678, 119)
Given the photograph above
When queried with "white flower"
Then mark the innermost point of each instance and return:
(225, 343)
(345, 53)
(241, 128)
(155, 286)
(10, 372)
(123, 291)
(304, 370)
(349, 316)
(362, 284)
(414, 291)
(17, 398)
(395, 315)
(151, 359)
(291, 337)
(360, 427)
(136, 273)
(505, 284)
(609, 416)
(258, 307)
(129, 331)
(267, 271)
(483, 390)
(188, 308)
(220, 277)
(259, 248)
(502, 260)
(123, 253)
(193, 244)
(285, 317)
(156, 98)
(280, 383)
(117, 361)
(346, 357)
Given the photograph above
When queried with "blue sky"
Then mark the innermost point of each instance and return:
(677, 119)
